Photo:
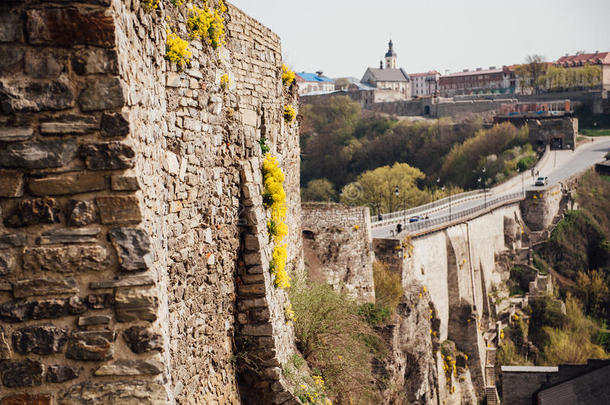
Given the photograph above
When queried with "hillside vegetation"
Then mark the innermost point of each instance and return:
(345, 146)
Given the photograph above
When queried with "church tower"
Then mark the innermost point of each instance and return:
(391, 57)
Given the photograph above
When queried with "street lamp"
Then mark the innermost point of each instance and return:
(438, 180)
(397, 194)
(482, 178)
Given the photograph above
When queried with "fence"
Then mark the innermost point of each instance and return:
(396, 216)
(428, 225)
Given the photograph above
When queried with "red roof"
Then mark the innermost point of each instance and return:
(598, 58)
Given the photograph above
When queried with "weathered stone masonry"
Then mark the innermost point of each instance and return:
(122, 207)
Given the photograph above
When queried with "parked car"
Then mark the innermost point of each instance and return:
(542, 181)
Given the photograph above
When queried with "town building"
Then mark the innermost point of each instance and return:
(601, 59)
(391, 82)
(566, 384)
(424, 84)
(478, 82)
(314, 83)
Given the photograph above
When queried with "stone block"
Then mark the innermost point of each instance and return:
(9, 240)
(69, 183)
(43, 63)
(26, 399)
(38, 154)
(102, 93)
(142, 340)
(251, 290)
(10, 57)
(133, 248)
(21, 311)
(69, 124)
(90, 61)
(5, 349)
(119, 209)
(44, 339)
(114, 125)
(11, 183)
(82, 213)
(100, 301)
(25, 373)
(42, 286)
(91, 345)
(26, 96)
(132, 281)
(249, 117)
(69, 235)
(33, 212)
(66, 259)
(11, 26)
(93, 320)
(70, 26)
(173, 79)
(107, 156)
(8, 262)
(15, 134)
(124, 183)
(114, 392)
(258, 330)
(59, 373)
(136, 304)
(130, 368)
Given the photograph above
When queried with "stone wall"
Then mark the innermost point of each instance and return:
(123, 207)
(338, 247)
(458, 268)
(540, 207)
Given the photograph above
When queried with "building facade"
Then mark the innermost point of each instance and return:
(479, 81)
(314, 83)
(393, 80)
(601, 59)
(424, 84)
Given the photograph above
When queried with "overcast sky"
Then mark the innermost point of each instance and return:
(344, 37)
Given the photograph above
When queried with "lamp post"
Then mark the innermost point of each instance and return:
(482, 178)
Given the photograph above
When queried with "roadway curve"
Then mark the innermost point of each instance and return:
(559, 165)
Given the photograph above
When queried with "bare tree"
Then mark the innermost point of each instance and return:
(532, 71)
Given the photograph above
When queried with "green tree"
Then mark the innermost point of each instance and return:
(377, 188)
(319, 190)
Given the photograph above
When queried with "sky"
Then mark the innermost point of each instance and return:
(344, 37)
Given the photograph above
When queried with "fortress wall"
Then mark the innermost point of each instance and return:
(127, 241)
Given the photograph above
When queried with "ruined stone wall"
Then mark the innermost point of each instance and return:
(540, 207)
(122, 200)
(338, 247)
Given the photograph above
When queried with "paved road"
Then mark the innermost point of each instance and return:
(557, 167)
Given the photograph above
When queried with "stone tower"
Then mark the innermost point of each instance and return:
(391, 57)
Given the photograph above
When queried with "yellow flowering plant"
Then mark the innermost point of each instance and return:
(177, 50)
(149, 4)
(274, 198)
(225, 81)
(208, 24)
(287, 76)
(289, 113)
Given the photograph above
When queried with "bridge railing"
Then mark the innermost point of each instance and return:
(396, 216)
(427, 224)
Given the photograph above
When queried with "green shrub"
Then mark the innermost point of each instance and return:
(374, 314)
(336, 341)
(388, 287)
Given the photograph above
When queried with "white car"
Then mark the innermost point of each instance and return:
(542, 181)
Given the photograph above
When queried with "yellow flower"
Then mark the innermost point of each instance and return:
(208, 24)
(177, 50)
(150, 4)
(289, 113)
(287, 76)
(356, 227)
(225, 81)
